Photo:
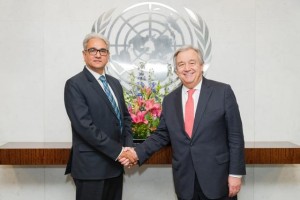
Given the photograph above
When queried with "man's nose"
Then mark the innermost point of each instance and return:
(187, 67)
(98, 54)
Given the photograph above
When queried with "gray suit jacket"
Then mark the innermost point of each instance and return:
(96, 135)
(216, 148)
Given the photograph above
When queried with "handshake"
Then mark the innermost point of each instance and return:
(128, 157)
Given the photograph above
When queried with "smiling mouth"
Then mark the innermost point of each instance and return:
(189, 74)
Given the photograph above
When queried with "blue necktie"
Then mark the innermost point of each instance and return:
(111, 98)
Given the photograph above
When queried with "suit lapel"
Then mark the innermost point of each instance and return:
(205, 93)
(178, 104)
(178, 114)
(117, 95)
(98, 89)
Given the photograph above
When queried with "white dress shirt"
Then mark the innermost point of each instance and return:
(97, 76)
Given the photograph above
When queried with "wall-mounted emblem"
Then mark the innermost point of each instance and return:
(144, 37)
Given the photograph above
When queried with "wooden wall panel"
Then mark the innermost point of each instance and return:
(56, 153)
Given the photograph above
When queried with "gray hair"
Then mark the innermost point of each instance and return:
(95, 35)
(185, 48)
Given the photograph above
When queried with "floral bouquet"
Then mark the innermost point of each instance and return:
(144, 102)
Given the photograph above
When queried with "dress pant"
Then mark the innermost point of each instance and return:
(199, 195)
(107, 189)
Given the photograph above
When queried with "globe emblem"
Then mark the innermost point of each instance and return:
(144, 37)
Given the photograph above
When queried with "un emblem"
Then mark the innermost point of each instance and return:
(144, 37)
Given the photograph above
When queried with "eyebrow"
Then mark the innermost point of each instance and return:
(192, 60)
(98, 49)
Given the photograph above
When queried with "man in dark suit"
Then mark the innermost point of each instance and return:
(201, 121)
(101, 125)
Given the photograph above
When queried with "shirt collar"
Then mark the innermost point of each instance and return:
(197, 87)
(95, 74)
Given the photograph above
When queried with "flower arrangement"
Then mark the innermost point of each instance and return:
(145, 111)
(144, 101)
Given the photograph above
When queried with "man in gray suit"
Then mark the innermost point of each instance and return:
(101, 125)
(201, 121)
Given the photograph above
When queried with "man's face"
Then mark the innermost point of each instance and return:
(98, 61)
(189, 68)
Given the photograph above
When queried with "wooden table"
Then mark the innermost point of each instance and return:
(57, 153)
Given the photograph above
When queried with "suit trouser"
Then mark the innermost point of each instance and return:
(107, 189)
(199, 195)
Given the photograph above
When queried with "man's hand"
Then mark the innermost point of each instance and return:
(128, 157)
(234, 185)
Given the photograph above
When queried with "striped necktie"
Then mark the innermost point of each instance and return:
(111, 98)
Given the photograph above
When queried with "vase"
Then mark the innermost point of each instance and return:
(138, 141)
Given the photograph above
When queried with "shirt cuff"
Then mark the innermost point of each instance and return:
(236, 176)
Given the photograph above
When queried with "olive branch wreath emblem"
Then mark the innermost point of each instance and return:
(199, 26)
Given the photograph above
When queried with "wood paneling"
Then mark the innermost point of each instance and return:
(34, 153)
(57, 153)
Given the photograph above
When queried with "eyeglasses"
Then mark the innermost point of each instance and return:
(94, 51)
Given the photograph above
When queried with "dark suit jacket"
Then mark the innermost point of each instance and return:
(96, 135)
(216, 148)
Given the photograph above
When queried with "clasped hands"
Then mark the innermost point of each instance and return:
(128, 157)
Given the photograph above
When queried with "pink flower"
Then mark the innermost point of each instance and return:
(153, 108)
(156, 112)
(140, 101)
(149, 104)
(139, 117)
